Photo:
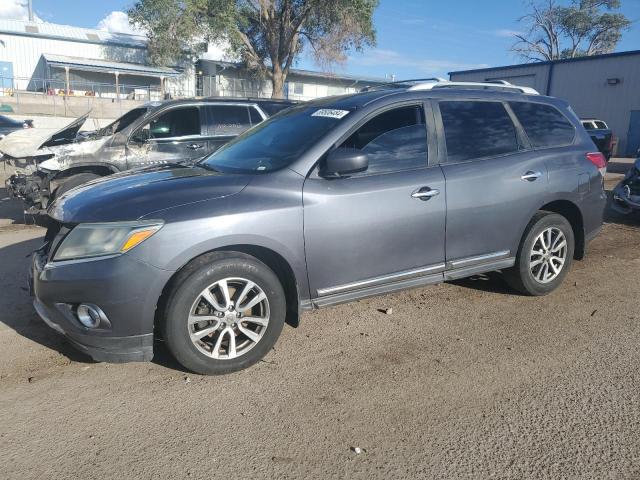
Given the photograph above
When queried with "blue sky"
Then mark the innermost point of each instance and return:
(416, 38)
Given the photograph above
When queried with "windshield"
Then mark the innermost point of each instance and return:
(124, 121)
(277, 142)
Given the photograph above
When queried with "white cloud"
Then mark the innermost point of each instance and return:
(118, 22)
(505, 33)
(16, 10)
(388, 59)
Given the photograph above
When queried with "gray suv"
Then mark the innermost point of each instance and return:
(327, 202)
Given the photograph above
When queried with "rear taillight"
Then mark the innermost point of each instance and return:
(599, 160)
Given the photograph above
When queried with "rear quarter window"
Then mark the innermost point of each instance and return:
(475, 129)
(544, 125)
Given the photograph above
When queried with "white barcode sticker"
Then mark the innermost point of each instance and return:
(330, 113)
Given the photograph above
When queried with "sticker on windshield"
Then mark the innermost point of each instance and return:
(330, 113)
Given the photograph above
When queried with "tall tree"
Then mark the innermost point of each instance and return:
(268, 35)
(585, 27)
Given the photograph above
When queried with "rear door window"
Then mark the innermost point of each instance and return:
(475, 129)
(254, 116)
(228, 120)
(394, 140)
(178, 122)
(544, 125)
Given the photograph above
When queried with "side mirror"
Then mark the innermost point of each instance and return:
(345, 161)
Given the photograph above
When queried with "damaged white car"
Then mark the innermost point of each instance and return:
(48, 163)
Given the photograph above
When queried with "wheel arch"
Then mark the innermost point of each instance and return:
(274, 260)
(101, 169)
(572, 213)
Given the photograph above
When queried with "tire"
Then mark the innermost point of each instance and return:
(212, 354)
(533, 280)
(72, 182)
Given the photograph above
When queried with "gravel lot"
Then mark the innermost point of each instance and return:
(462, 380)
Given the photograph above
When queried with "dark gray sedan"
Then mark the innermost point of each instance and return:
(9, 125)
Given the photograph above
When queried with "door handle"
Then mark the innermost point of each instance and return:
(531, 176)
(425, 193)
(194, 146)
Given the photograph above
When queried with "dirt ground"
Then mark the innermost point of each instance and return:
(462, 380)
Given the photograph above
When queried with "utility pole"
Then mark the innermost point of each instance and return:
(30, 10)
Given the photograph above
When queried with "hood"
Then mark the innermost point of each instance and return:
(136, 193)
(27, 142)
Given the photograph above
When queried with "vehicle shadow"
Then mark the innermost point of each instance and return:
(11, 209)
(16, 309)
(492, 282)
(18, 314)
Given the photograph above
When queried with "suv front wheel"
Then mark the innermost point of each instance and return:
(224, 313)
(544, 255)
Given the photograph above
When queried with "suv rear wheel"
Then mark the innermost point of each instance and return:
(225, 315)
(544, 256)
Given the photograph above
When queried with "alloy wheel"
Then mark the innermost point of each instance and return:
(228, 318)
(548, 255)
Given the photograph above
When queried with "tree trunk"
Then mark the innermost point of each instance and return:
(277, 82)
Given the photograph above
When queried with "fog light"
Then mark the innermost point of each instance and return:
(90, 315)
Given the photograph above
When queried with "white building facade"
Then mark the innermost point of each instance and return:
(63, 60)
(46, 57)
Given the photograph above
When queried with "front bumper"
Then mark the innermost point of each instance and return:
(126, 289)
(623, 201)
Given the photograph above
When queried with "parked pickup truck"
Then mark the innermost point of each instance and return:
(600, 134)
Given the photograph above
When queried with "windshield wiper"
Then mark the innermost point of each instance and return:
(206, 166)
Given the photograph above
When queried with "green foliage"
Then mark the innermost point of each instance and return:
(585, 27)
(268, 35)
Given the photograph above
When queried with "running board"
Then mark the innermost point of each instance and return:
(467, 268)
(338, 298)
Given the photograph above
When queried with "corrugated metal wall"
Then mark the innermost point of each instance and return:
(535, 76)
(585, 85)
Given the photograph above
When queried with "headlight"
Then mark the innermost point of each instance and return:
(97, 239)
(52, 165)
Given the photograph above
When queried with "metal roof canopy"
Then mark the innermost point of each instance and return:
(303, 73)
(106, 66)
(70, 33)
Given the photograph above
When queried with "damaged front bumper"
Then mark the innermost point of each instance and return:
(27, 183)
(626, 195)
(29, 188)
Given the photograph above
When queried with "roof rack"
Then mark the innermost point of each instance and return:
(400, 83)
(436, 82)
(501, 85)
